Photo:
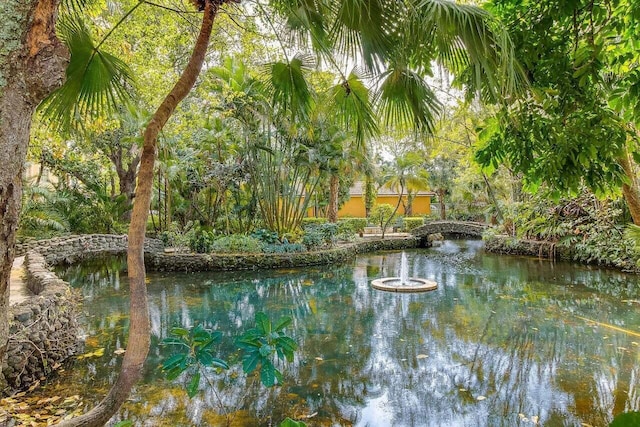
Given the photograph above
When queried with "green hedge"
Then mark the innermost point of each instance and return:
(409, 223)
(313, 221)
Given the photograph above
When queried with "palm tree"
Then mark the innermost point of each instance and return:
(405, 172)
(441, 175)
(396, 41)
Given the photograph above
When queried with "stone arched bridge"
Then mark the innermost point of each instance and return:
(450, 228)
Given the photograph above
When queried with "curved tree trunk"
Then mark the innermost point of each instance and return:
(32, 64)
(139, 332)
(630, 189)
(395, 211)
(334, 187)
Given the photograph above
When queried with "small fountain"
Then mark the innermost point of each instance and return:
(404, 283)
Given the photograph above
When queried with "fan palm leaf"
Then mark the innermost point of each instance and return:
(352, 99)
(306, 20)
(96, 81)
(467, 39)
(405, 99)
(287, 85)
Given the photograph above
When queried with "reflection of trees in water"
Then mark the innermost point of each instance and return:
(500, 327)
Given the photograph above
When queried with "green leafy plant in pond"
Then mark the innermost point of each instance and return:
(262, 344)
(195, 352)
(261, 347)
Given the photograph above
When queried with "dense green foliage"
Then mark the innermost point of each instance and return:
(563, 133)
(592, 230)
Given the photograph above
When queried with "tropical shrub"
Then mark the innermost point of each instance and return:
(312, 238)
(292, 236)
(266, 236)
(320, 235)
(312, 221)
(201, 241)
(237, 243)
(593, 231)
(261, 347)
(351, 225)
(382, 215)
(179, 237)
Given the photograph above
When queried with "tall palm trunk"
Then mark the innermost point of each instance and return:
(139, 332)
(32, 64)
(630, 188)
(334, 186)
(443, 207)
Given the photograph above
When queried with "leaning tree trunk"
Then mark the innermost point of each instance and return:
(32, 64)
(630, 188)
(139, 332)
(393, 214)
(334, 186)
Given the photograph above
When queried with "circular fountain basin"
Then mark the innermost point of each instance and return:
(395, 284)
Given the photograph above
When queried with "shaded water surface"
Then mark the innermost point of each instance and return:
(503, 341)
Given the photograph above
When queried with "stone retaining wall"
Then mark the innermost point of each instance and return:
(212, 262)
(43, 329)
(70, 249)
(507, 245)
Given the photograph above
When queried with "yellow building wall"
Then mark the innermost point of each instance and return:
(354, 207)
(422, 205)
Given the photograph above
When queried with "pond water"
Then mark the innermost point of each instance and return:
(503, 341)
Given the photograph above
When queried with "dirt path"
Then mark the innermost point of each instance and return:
(17, 290)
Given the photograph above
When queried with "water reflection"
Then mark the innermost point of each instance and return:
(502, 342)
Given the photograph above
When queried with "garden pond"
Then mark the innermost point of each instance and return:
(502, 341)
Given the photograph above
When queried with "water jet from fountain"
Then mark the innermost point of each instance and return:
(403, 283)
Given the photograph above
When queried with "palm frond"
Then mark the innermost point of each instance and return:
(365, 26)
(78, 6)
(306, 20)
(405, 99)
(287, 85)
(352, 99)
(469, 40)
(96, 81)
